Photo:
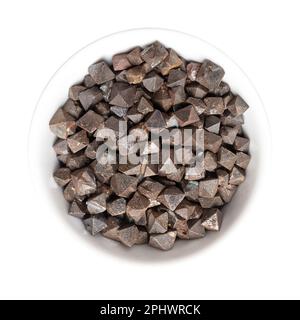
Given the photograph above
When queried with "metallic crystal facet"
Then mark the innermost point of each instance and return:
(195, 229)
(122, 95)
(154, 54)
(62, 176)
(128, 235)
(90, 121)
(192, 70)
(134, 56)
(90, 97)
(212, 124)
(153, 82)
(237, 106)
(155, 122)
(242, 160)
(135, 74)
(226, 158)
(157, 221)
(101, 72)
(198, 104)
(97, 204)
(176, 78)
(196, 90)
(84, 181)
(95, 224)
(78, 141)
(163, 98)
(144, 106)
(136, 208)
(186, 116)
(163, 241)
(77, 209)
(228, 134)
(208, 188)
(75, 90)
(227, 192)
(210, 161)
(62, 124)
(212, 141)
(150, 188)
(116, 207)
(171, 197)
(73, 108)
(237, 176)
(241, 144)
(214, 105)
(120, 62)
(123, 185)
(210, 75)
(170, 62)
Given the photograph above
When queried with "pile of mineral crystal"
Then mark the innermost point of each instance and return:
(150, 90)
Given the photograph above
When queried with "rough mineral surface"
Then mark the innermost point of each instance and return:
(134, 108)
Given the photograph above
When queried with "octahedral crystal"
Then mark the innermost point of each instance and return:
(210, 75)
(178, 95)
(223, 177)
(186, 209)
(90, 121)
(150, 188)
(103, 108)
(97, 204)
(211, 202)
(77, 209)
(120, 62)
(84, 181)
(191, 190)
(61, 147)
(210, 161)
(75, 90)
(95, 224)
(77, 160)
(197, 103)
(212, 141)
(122, 95)
(111, 231)
(123, 185)
(135, 74)
(195, 229)
(73, 108)
(101, 72)
(196, 90)
(226, 158)
(212, 219)
(91, 149)
(186, 116)
(242, 160)
(163, 98)
(144, 106)
(212, 124)
(208, 188)
(134, 56)
(128, 235)
(154, 54)
(88, 81)
(153, 82)
(62, 176)
(116, 207)
(136, 208)
(62, 124)
(90, 97)
(214, 105)
(228, 134)
(143, 236)
(170, 62)
(163, 241)
(227, 192)
(237, 106)
(78, 141)
(237, 176)
(192, 70)
(155, 122)
(241, 144)
(176, 78)
(157, 221)
(171, 197)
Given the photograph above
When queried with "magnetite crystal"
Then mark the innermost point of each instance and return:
(143, 106)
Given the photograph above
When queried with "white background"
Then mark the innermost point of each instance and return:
(36, 38)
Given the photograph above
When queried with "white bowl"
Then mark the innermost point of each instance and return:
(42, 158)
